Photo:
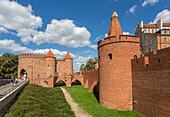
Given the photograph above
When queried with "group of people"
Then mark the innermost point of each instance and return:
(13, 81)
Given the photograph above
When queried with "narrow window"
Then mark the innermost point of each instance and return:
(165, 46)
(110, 56)
(159, 61)
(165, 39)
(48, 65)
(135, 57)
(38, 75)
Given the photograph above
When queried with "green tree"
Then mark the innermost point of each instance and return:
(91, 63)
(82, 67)
(8, 65)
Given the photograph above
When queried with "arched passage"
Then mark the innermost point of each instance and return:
(76, 82)
(60, 83)
(23, 73)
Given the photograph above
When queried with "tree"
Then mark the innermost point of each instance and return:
(8, 65)
(82, 67)
(91, 63)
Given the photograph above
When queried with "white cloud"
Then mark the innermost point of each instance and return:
(106, 35)
(80, 60)
(152, 2)
(14, 47)
(132, 9)
(99, 37)
(86, 51)
(16, 17)
(3, 30)
(126, 33)
(93, 46)
(64, 32)
(164, 15)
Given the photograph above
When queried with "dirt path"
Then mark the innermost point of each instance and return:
(74, 105)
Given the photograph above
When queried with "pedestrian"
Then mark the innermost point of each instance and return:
(12, 81)
(16, 81)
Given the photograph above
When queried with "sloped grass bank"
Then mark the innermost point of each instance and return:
(89, 103)
(38, 101)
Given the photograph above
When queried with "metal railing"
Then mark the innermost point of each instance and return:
(12, 89)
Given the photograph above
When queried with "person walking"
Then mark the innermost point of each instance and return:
(16, 81)
(12, 81)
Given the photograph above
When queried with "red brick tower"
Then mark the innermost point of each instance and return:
(50, 64)
(68, 64)
(115, 78)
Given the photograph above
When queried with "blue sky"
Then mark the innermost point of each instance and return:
(35, 26)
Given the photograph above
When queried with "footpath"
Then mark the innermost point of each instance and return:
(74, 105)
(7, 87)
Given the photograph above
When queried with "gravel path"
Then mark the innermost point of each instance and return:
(74, 105)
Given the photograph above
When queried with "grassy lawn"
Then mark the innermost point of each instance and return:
(38, 101)
(89, 103)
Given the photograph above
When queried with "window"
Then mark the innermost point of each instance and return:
(48, 65)
(135, 57)
(149, 49)
(165, 46)
(110, 56)
(149, 42)
(165, 39)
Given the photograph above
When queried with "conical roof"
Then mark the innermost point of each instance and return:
(50, 54)
(67, 56)
(115, 28)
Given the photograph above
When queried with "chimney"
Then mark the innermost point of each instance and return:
(141, 24)
(159, 23)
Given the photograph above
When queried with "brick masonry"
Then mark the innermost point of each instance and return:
(115, 78)
(46, 70)
(151, 84)
(89, 77)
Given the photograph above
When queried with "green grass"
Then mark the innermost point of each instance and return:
(38, 101)
(89, 103)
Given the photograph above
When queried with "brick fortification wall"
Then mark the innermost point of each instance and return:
(151, 84)
(90, 78)
(45, 70)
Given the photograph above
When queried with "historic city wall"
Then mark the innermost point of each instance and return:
(151, 84)
(89, 78)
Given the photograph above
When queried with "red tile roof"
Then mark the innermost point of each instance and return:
(67, 56)
(50, 54)
(155, 26)
(150, 26)
(166, 25)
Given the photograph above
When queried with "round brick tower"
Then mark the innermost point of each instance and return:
(68, 64)
(115, 78)
(50, 64)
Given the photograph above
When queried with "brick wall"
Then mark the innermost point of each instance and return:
(151, 84)
(115, 78)
(89, 77)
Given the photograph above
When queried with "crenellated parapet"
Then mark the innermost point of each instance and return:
(93, 70)
(122, 38)
(152, 61)
(31, 55)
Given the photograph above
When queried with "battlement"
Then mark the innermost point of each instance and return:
(122, 38)
(31, 55)
(93, 70)
(152, 61)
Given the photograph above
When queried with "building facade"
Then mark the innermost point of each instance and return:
(45, 70)
(115, 79)
(153, 37)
